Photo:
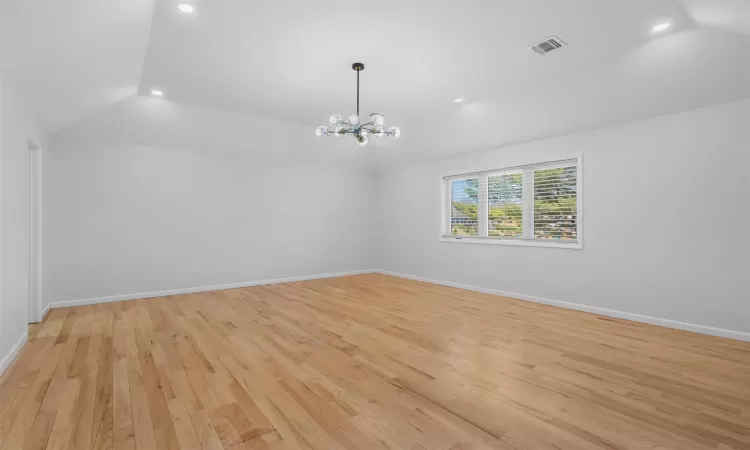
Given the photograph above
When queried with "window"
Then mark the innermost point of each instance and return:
(538, 204)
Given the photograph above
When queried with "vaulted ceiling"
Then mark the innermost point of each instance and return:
(256, 77)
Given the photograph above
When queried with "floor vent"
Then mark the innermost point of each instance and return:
(547, 45)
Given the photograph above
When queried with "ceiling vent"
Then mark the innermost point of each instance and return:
(548, 45)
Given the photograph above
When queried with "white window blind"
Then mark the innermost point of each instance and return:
(465, 204)
(555, 203)
(505, 205)
(538, 203)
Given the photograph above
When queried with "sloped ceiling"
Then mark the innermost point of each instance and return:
(681, 71)
(146, 121)
(256, 77)
(72, 58)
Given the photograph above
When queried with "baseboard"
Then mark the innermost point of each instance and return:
(41, 316)
(720, 332)
(192, 290)
(13, 352)
(44, 313)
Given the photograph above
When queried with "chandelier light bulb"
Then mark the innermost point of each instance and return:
(361, 140)
(353, 120)
(394, 132)
(378, 132)
(378, 120)
(335, 119)
(321, 132)
(339, 132)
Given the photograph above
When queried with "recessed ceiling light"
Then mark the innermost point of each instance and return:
(458, 100)
(157, 93)
(662, 27)
(186, 8)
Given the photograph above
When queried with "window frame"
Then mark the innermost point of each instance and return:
(528, 202)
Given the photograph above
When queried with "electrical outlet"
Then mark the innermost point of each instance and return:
(586, 284)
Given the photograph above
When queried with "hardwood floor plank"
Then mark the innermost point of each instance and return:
(143, 427)
(205, 431)
(122, 415)
(185, 432)
(164, 431)
(370, 362)
(64, 424)
(22, 421)
(45, 417)
(103, 421)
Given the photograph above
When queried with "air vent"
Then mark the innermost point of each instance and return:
(548, 45)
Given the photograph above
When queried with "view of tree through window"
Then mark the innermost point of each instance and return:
(505, 198)
(465, 207)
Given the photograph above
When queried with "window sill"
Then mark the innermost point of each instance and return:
(522, 243)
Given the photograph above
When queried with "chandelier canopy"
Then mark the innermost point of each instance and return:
(354, 126)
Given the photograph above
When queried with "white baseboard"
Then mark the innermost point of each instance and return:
(720, 332)
(41, 316)
(191, 290)
(44, 313)
(731, 334)
(13, 352)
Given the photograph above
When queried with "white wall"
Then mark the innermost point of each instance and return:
(666, 217)
(17, 126)
(122, 219)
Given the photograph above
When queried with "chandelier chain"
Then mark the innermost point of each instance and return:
(358, 92)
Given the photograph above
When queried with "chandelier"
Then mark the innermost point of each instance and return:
(354, 126)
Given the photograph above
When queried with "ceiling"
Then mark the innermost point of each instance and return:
(236, 68)
(72, 58)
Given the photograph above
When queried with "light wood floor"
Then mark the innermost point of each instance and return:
(368, 361)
